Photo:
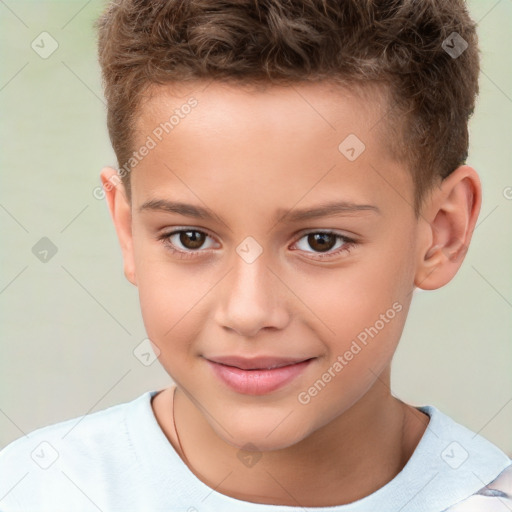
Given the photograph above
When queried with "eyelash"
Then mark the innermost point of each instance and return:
(349, 243)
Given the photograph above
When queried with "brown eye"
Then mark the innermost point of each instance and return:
(187, 243)
(191, 239)
(322, 241)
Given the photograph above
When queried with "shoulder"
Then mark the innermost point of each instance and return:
(65, 438)
(51, 458)
(495, 496)
(461, 447)
(468, 468)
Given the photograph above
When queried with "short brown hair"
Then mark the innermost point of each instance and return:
(402, 44)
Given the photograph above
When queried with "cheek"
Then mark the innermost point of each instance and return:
(169, 296)
(172, 316)
(359, 314)
(167, 300)
(367, 329)
(348, 300)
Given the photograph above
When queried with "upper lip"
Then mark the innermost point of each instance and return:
(257, 363)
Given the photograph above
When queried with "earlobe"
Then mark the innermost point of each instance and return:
(120, 211)
(450, 219)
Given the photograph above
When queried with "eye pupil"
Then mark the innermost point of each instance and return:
(321, 241)
(196, 236)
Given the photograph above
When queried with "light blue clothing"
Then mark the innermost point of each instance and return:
(119, 459)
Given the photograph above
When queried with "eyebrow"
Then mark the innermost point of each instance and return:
(295, 215)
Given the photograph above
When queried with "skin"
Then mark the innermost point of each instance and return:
(244, 154)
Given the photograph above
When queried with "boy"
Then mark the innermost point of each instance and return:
(288, 173)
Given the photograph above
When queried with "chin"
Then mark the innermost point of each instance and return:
(261, 443)
(262, 436)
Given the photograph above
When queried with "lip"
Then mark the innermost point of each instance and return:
(256, 363)
(251, 381)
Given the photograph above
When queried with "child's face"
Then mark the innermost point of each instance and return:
(256, 284)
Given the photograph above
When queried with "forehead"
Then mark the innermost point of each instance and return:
(252, 141)
(320, 104)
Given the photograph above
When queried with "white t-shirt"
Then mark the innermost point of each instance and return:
(119, 459)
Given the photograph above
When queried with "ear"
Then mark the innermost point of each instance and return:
(120, 211)
(450, 213)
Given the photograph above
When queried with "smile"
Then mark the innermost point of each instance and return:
(258, 381)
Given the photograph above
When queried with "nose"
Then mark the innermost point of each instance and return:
(252, 298)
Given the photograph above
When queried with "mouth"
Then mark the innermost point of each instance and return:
(257, 376)
(257, 363)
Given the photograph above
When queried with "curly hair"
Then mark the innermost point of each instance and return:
(401, 44)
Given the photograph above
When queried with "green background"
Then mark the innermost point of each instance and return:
(70, 325)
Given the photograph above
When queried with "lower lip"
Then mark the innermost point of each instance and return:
(257, 382)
